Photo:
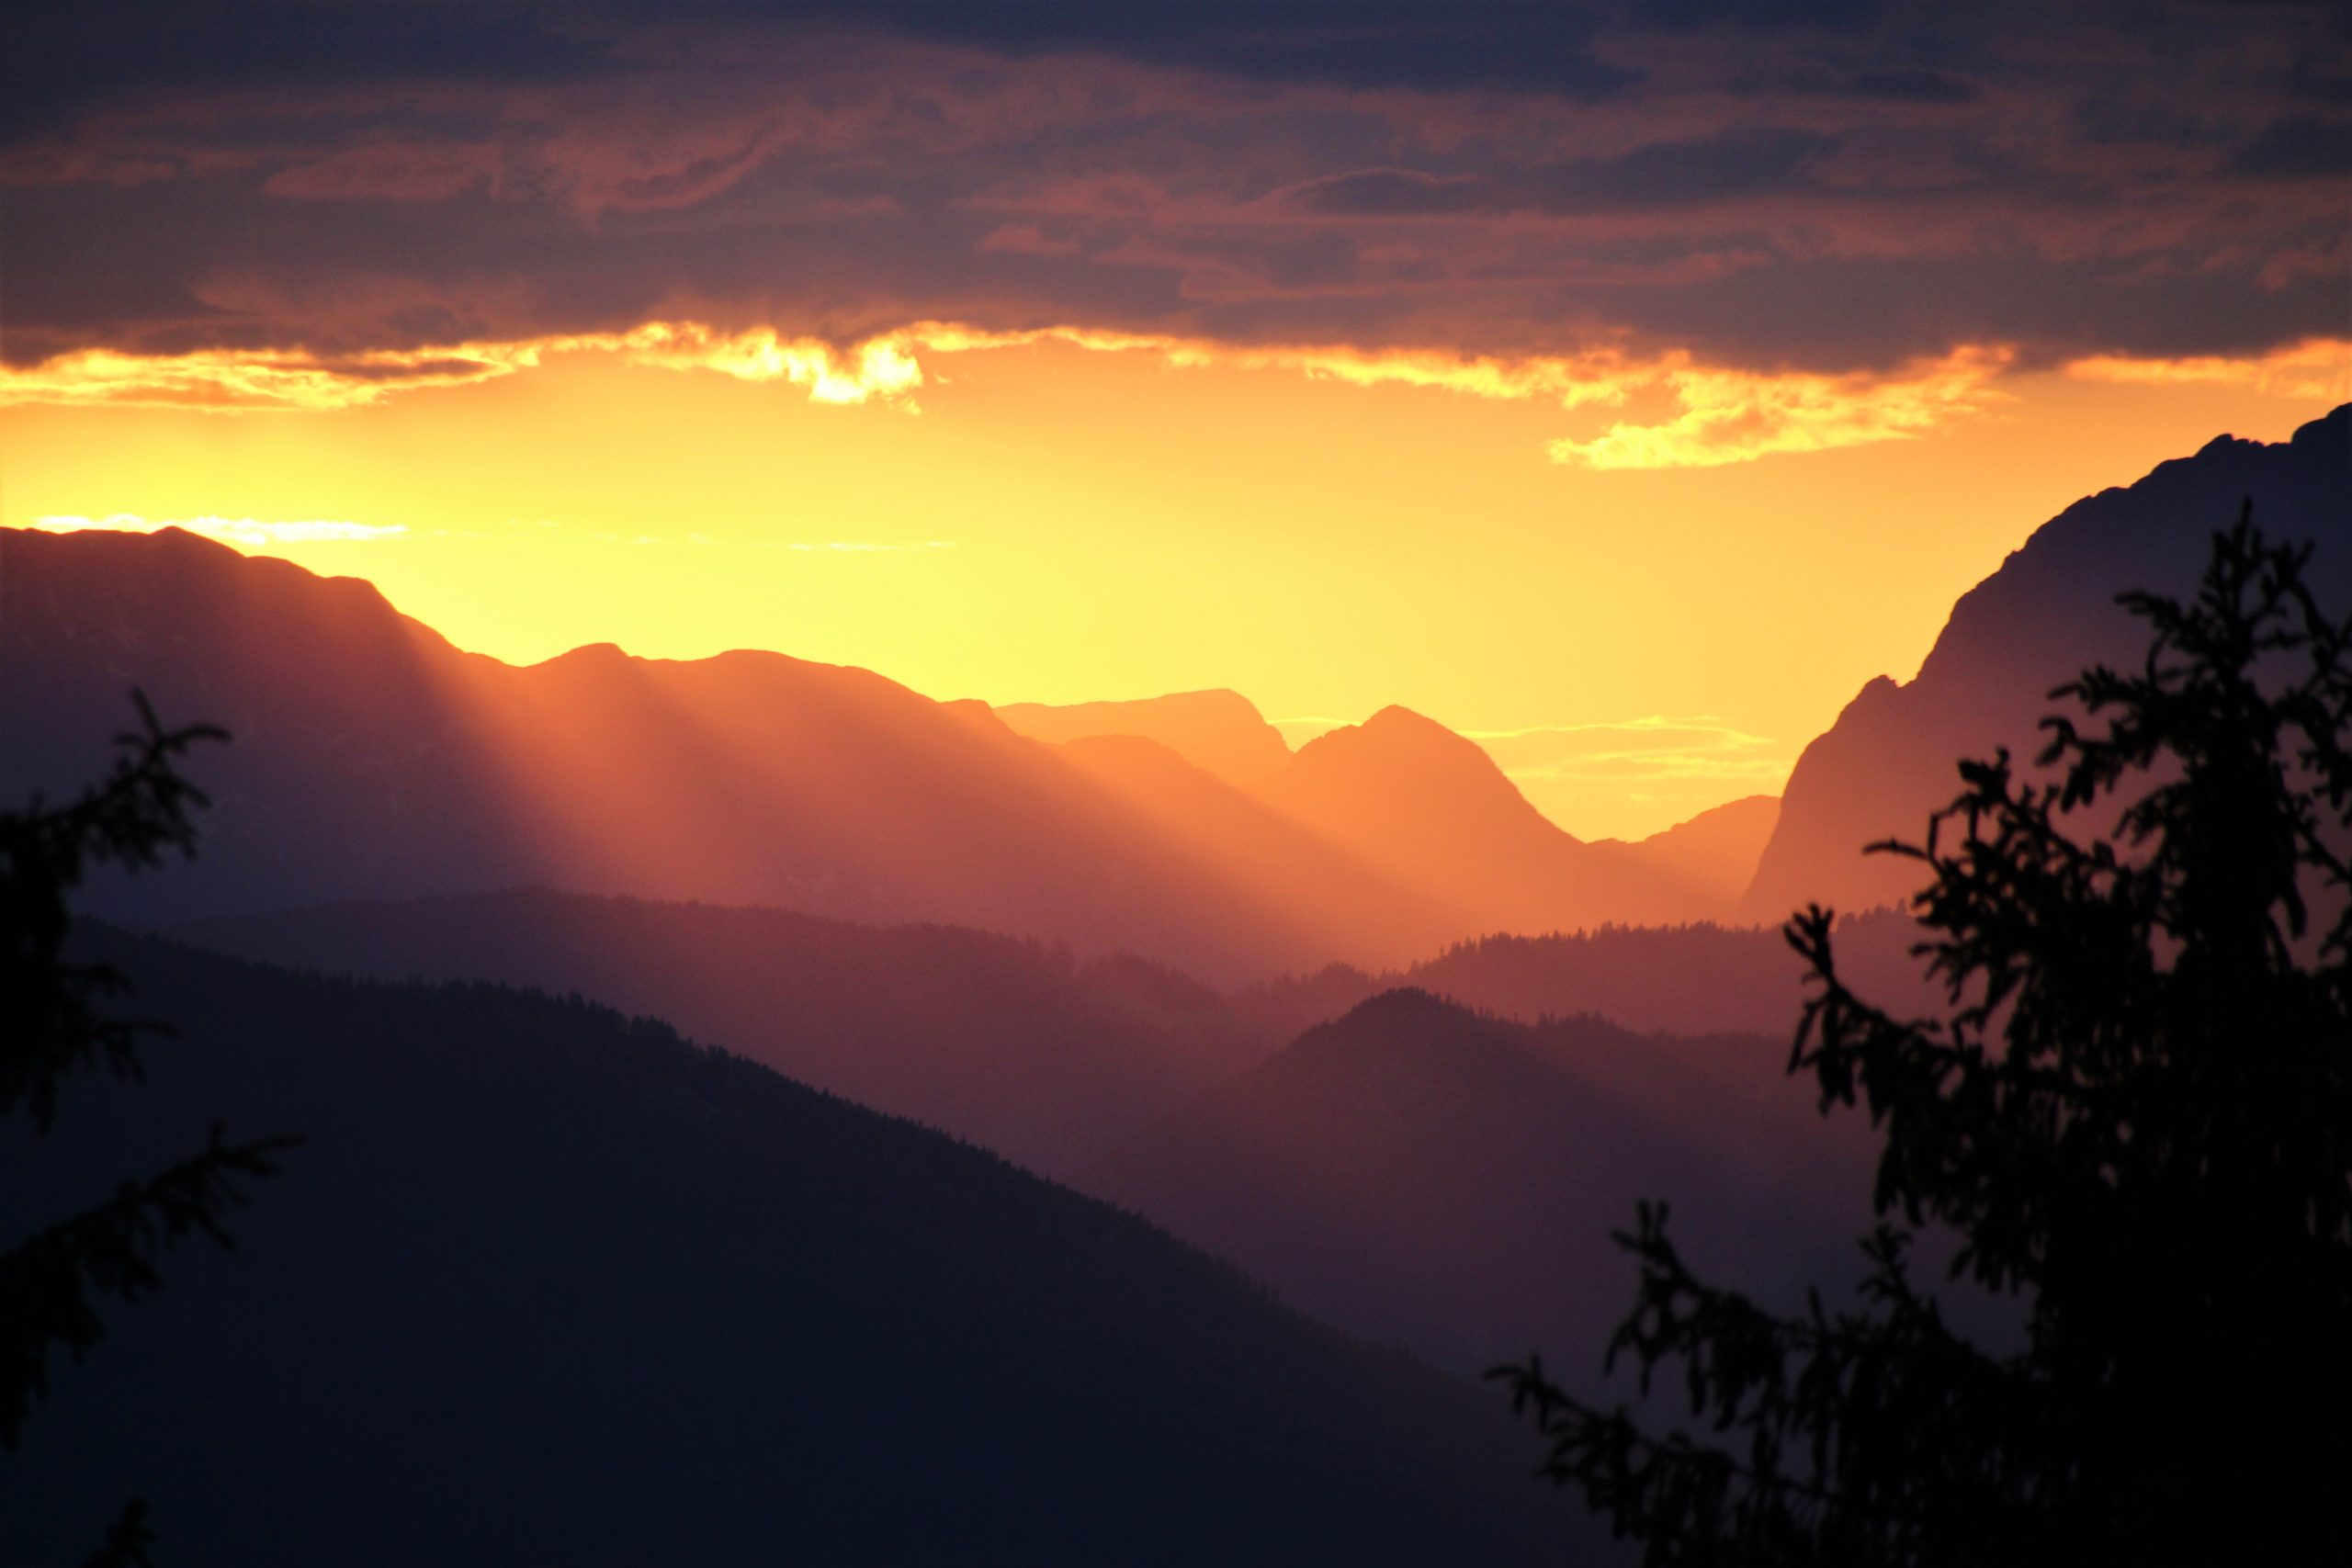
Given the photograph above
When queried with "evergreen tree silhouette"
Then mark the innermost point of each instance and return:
(2135, 1122)
(52, 1026)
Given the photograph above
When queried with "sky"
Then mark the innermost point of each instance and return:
(1621, 386)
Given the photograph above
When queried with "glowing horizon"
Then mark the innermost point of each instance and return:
(1671, 686)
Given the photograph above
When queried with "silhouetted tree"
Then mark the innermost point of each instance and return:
(52, 1025)
(2135, 1122)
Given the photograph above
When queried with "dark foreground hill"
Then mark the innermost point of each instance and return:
(1419, 1172)
(1049, 1060)
(549, 1285)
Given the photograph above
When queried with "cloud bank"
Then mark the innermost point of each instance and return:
(1798, 227)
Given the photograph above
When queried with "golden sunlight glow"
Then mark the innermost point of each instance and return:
(231, 381)
(229, 530)
(2316, 368)
(1080, 516)
(1729, 416)
(1718, 415)
(1712, 416)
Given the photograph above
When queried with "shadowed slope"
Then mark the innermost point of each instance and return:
(2045, 615)
(1714, 854)
(1692, 979)
(1279, 859)
(1022, 1048)
(550, 1286)
(1419, 1172)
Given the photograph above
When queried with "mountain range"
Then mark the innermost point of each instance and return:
(548, 1284)
(1424, 1174)
(1349, 1030)
(1049, 1060)
(755, 778)
(1432, 1170)
(1181, 828)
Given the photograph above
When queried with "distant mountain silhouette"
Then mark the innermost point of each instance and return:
(1433, 811)
(373, 760)
(1714, 855)
(1691, 979)
(1218, 731)
(1410, 790)
(551, 1285)
(1284, 863)
(1049, 1060)
(2046, 615)
(1046, 1059)
(1417, 1172)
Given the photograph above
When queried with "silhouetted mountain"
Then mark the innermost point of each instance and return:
(1714, 854)
(1691, 979)
(1432, 810)
(1049, 1061)
(1221, 732)
(372, 760)
(551, 1285)
(1427, 807)
(1419, 1172)
(2048, 613)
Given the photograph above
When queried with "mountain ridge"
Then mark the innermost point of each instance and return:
(602, 1296)
(2045, 614)
(750, 777)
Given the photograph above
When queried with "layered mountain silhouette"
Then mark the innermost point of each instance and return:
(1689, 979)
(373, 760)
(1053, 1061)
(1714, 855)
(1432, 810)
(1286, 860)
(2048, 613)
(1429, 812)
(1219, 732)
(547, 1284)
(1048, 1060)
(1425, 1174)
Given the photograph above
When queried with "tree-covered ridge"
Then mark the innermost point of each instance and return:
(558, 1285)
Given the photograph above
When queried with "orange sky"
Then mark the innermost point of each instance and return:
(1044, 521)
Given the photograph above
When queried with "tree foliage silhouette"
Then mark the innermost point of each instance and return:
(52, 1026)
(2135, 1122)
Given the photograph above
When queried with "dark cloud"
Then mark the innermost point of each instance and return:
(2304, 148)
(66, 56)
(1915, 85)
(1532, 46)
(1726, 166)
(1830, 184)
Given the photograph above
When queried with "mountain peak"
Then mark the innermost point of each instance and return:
(1398, 719)
(177, 537)
(588, 654)
(2048, 612)
(1216, 730)
(1409, 752)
